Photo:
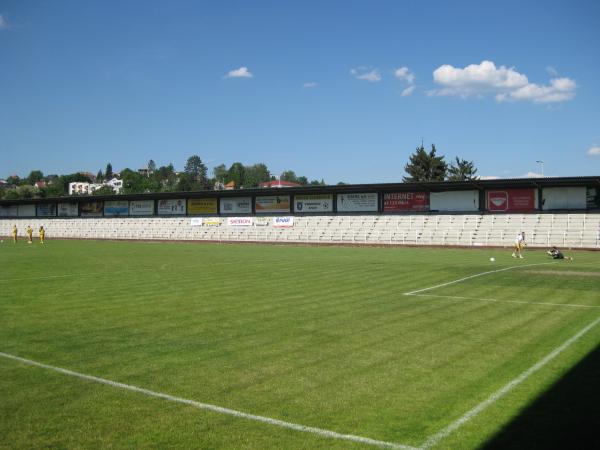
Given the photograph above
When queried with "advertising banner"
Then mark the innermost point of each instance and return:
(283, 222)
(592, 198)
(171, 207)
(357, 202)
(141, 207)
(313, 203)
(46, 210)
(202, 206)
(9, 211)
(236, 205)
(261, 221)
(211, 221)
(564, 197)
(454, 201)
(116, 208)
(511, 200)
(196, 221)
(91, 209)
(275, 204)
(67, 210)
(26, 210)
(239, 221)
(406, 201)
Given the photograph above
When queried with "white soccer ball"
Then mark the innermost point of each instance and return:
(492, 259)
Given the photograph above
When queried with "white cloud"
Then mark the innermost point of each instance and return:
(242, 72)
(503, 82)
(408, 91)
(404, 74)
(532, 175)
(309, 85)
(489, 177)
(594, 151)
(552, 71)
(3, 23)
(363, 73)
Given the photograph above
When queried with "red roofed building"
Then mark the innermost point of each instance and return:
(278, 184)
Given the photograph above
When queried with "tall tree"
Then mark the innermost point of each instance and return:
(462, 170)
(151, 167)
(99, 175)
(256, 174)
(34, 176)
(196, 168)
(108, 173)
(220, 173)
(425, 166)
(237, 173)
(289, 175)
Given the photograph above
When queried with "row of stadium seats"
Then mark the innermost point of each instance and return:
(566, 230)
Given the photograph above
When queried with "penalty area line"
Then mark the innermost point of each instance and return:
(460, 280)
(494, 300)
(437, 437)
(214, 408)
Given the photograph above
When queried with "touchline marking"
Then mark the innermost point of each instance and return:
(474, 276)
(437, 437)
(493, 300)
(214, 408)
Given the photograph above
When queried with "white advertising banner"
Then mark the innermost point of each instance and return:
(454, 201)
(116, 208)
(171, 207)
(313, 203)
(141, 207)
(196, 221)
(239, 221)
(9, 211)
(26, 210)
(564, 198)
(357, 202)
(261, 221)
(67, 210)
(211, 222)
(283, 222)
(236, 205)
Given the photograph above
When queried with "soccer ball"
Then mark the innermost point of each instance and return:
(492, 259)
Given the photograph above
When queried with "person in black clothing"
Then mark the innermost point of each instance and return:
(557, 254)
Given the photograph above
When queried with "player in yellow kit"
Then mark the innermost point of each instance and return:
(29, 232)
(14, 234)
(42, 234)
(519, 245)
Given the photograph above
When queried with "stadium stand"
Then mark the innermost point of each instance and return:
(581, 230)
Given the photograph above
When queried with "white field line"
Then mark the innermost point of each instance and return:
(493, 300)
(474, 276)
(214, 408)
(437, 437)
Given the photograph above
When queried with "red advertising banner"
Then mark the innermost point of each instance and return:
(406, 201)
(511, 200)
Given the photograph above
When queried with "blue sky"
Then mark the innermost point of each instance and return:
(340, 90)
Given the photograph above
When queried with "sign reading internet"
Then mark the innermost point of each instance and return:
(313, 203)
(357, 202)
(406, 201)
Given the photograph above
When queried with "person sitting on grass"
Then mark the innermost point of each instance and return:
(557, 254)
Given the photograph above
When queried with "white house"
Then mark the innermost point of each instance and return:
(82, 188)
(115, 184)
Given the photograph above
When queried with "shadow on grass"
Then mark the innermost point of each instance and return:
(565, 416)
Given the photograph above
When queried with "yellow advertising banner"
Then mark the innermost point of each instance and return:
(202, 206)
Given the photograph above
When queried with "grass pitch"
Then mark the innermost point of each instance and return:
(321, 337)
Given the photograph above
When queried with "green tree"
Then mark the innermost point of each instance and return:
(108, 173)
(151, 167)
(26, 191)
(99, 175)
(317, 182)
(425, 166)
(34, 176)
(220, 173)
(13, 180)
(133, 182)
(196, 168)
(302, 180)
(462, 170)
(256, 174)
(11, 194)
(289, 175)
(237, 173)
(104, 190)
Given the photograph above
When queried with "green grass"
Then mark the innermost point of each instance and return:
(316, 336)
